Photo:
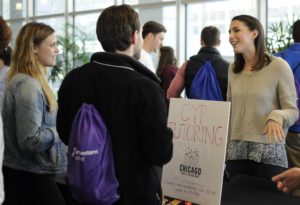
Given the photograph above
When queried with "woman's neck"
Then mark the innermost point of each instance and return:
(250, 61)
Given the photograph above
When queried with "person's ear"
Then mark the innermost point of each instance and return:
(35, 50)
(202, 43)
(150, 36)
(219, 42)
(135, 37)
(255, 34)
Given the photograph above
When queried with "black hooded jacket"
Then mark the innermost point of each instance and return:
(220, 65)
(131, 102)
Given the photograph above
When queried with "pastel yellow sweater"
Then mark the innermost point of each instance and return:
(258, 96)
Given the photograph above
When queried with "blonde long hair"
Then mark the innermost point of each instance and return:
(25, 61)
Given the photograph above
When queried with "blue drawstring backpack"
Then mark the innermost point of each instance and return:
(91, 173)
(205, 85)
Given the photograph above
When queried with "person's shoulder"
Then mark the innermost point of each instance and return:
(143, 84)
(143, 56)
(171, 69)
(75, 72)
(141, 80)
(220, 61)
(24, 80)
(224, 61)
(293, 49)
(278, 61)
(278, 64)
(24, 87)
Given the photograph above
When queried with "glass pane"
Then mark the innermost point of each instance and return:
(86, 31)
(70, 5)
(56, 23)
(6, 9)
(169, 21)
(13, 9)
(280, 20)
(15, 27)
(131, 2)
(81, 5)
(280, 10)
(204, 14)
(46, 7)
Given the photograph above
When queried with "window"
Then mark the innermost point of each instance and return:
(13, 9)
(82, 5)
(283, 11)
(86, 25)
(46, 7)
(15, 26)
(131, 2)
(56, 23)
(212, 13)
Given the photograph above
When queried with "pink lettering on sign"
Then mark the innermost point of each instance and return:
(191, 126)
(193, 112)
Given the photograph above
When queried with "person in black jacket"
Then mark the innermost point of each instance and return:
(210, 40)
(129, 98)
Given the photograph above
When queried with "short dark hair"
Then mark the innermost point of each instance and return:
(210, 35)
(5, 34)
(5, 55)
(115, 27)
(152, 27)
(296, 31)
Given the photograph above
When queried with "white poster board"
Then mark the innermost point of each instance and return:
(200, 130)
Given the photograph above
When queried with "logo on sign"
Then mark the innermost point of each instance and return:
(190, 165)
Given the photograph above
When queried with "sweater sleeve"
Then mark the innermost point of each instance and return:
(228, 95)
(288, 113)
(177, 83)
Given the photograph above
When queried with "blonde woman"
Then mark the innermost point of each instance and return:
(33, 151)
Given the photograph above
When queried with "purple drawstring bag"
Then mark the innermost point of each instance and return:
(91, 173)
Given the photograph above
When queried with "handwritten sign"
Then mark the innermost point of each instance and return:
(200, 129)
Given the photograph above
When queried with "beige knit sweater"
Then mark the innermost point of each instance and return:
(257, 96)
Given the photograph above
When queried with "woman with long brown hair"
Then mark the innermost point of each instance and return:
(167, 67)
(263, 103)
